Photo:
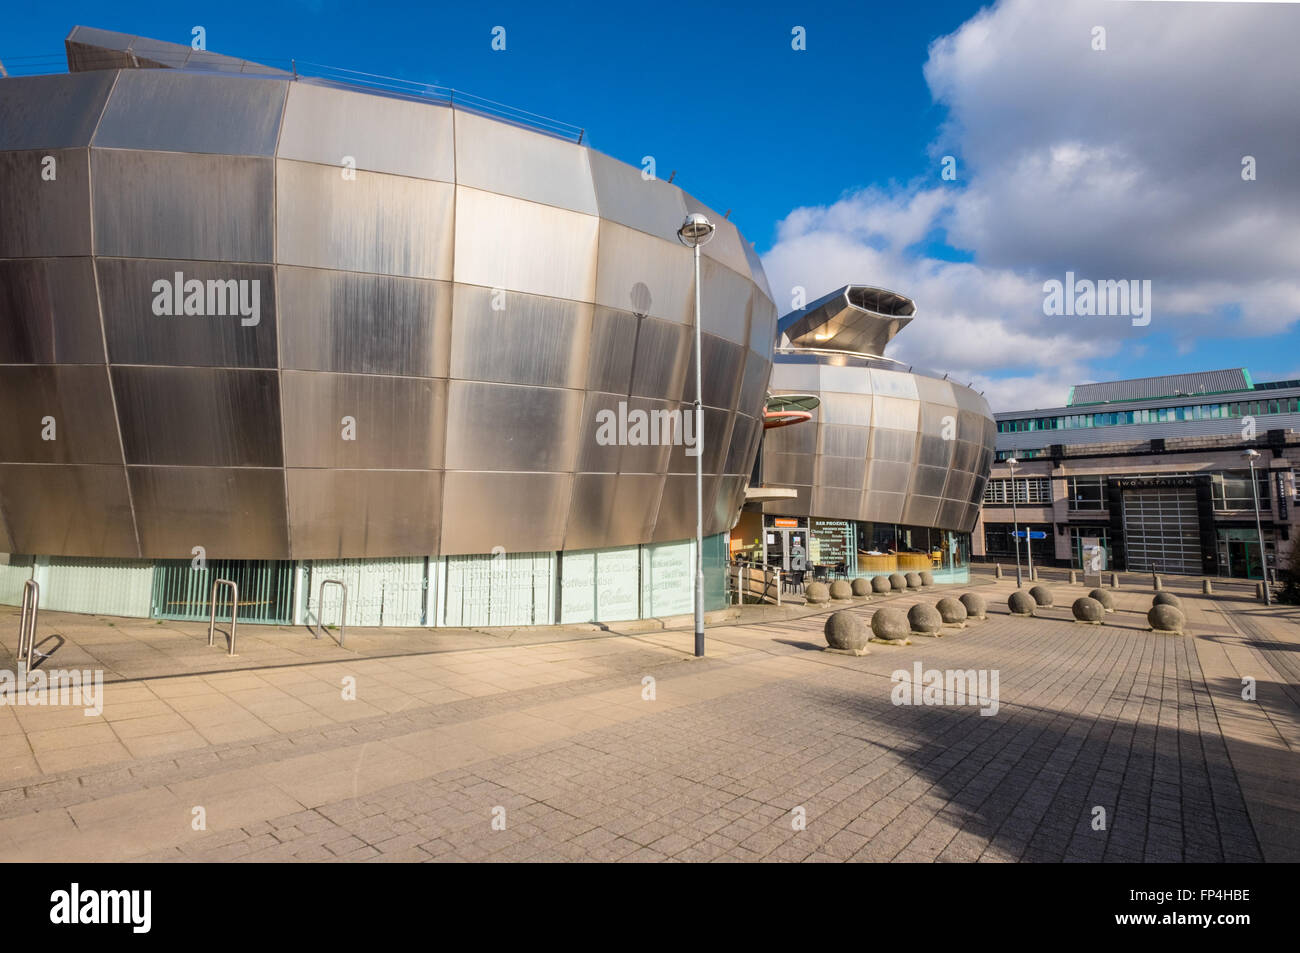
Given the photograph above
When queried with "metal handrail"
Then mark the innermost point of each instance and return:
(320, 609)
(234, 611)
(27, 628)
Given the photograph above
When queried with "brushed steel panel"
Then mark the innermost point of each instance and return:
(959, 486)
(952, 515)
(794, 378)
(895, 413)
(363, 513)
(939, 419)
(935, 391)
(520, 512)
(752, 399)
(725, 301)
(762, 325)
(969, 400)
(728, 498)
(52, 112)
(200, 60)
(966, 456)
(882, 507)
(173, 205)
(68, 510)
(504, 242)
(921, 510)
(519, 339)
(836, 502)
(636, 504)
(841, 472)
(613, 347)
(838, 440)
(199, 416)
(721, 372)
(717, 438)
(934, 452)
(49, 312)
(663, 358)
(398, 423)
(380, 133)
(503, 158)
(848, 409)
(85, 56)
(845, 380)
(661, 434)
(929, 481)
(799, 506)
(756, 270)
(377, 223)
(894, 384)
(44, 218)
(600, 450)
(645, 275)
(365, 324)
(512, 427)
(231, 513)
(726, 246)
(676, 518)
(740, 459)
(970, 426)
(648, 205)
(782, 469)
(591, 511)
(173, 56)
(77, 396)
(136, 335)
(174, 111)
(884, 476)
(897, 445)
(801, 438)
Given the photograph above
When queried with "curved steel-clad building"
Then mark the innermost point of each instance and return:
(317, 330)
(892, 462)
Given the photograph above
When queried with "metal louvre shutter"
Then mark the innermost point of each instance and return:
(265, 589)
(1161, 530)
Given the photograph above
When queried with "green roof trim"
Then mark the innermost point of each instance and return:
(1069, 401)
(1250, 383)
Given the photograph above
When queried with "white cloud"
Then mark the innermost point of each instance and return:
(1117, 164)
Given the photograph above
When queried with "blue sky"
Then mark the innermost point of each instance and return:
(829, 158)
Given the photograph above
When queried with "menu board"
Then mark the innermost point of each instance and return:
(831, 541)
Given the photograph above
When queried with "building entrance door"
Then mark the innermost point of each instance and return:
(1162, 530)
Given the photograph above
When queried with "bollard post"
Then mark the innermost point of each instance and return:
(997, 570)
(1114, 580)
(1074, 577)
(1155, 582)
(1206, 587)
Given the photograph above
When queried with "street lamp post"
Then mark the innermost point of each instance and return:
(1251, 455)
(696, 231)
(1012, 463)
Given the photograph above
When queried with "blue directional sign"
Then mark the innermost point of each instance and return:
(1036, 534)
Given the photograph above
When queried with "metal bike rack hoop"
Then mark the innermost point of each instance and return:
(234, 611)
(320, 609)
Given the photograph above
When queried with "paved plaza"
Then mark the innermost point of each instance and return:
(617, 745)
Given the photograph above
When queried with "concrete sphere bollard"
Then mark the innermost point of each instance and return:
(913, 580)
(951, 611)
(898, 581)
(889, 624)
(847, 632)
(976, 607)
(841, 589)
(1021, 603)
(1166, 618)
(861, 586)
(1105, 598)
(879, 583)
(1167, 599)
(1087, 609)
(924, 619)
(1042, 595)
(927, 578)
(817, 592)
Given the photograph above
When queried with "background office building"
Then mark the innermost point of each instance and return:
(888, 472)
(421, 313)
(1154, 469)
